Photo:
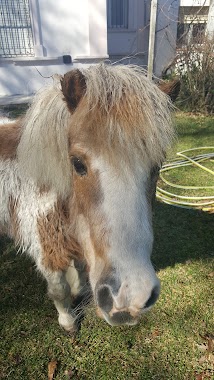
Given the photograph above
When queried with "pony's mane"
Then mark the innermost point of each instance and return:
(43, 148)
(120, 106)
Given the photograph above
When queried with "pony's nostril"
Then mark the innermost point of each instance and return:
(104, 298)
(121, 317)
(153, 298)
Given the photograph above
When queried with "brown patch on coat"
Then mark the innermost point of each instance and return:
(73, 88)
(99, 240)
(58, 246)
(88, 196)
(9, 139)
(44, 189)
(87, 188)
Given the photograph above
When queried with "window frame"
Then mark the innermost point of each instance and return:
(132, 18)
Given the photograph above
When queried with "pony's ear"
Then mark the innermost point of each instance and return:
(171, 88)
(73, 88)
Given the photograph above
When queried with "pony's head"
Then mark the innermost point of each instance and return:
(99, 141)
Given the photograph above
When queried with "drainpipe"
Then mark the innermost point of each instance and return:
(36, 28)
(153, 16)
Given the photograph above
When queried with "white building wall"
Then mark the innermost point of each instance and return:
(166, 33)
(97, 28)
(75, 28)
(65, 27)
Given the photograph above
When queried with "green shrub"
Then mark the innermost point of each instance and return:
(195, 66)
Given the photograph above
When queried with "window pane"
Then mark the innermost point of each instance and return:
(117, 13)
(15, 29)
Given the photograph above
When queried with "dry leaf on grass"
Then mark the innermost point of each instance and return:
(202, 347)
(202, 359)
(210, 274)
(203, 376)
(199, 376)
(208, 348)
(155, 333)
(51, 369)
(208, 359)
(210, 344)
(209, 338)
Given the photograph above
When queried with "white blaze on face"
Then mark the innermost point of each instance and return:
(128, 214)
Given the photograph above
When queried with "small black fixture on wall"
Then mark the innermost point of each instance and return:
(67, 59)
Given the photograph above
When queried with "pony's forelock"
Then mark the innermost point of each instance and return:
(135, 113)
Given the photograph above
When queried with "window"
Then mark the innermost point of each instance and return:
(192, 25)
(198, 30)
(16, 37)
(190, 33)
(117, 14)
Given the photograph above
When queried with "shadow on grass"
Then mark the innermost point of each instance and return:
(30, 326)
(21, 287)
(181, 235)
(208, 133)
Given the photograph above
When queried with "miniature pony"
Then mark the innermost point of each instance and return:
(78, 175)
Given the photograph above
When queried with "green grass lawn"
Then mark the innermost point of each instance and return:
(173, 341)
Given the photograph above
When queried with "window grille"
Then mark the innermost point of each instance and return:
(16, 39)
(117, 14)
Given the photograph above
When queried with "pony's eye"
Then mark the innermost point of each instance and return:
(79, 166)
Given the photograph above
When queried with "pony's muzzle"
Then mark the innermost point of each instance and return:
(118, 308)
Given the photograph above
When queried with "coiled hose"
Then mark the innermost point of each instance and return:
(205, 203)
